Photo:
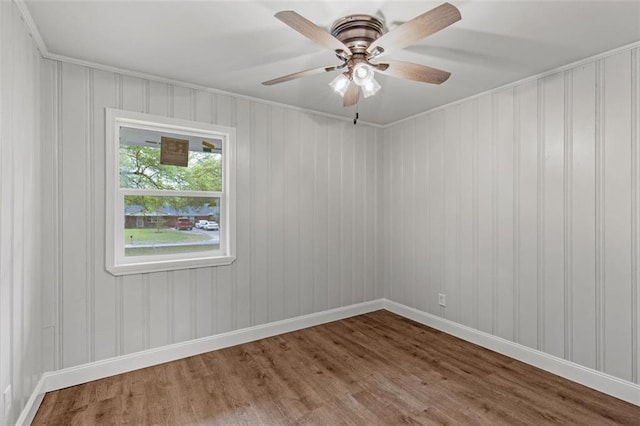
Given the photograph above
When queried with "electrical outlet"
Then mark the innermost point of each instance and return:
(7, 400)
(442, 299)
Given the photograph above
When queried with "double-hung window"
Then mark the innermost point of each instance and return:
(170, 193)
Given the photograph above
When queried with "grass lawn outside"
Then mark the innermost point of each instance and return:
(165, 236)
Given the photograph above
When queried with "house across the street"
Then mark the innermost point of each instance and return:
(137, 216)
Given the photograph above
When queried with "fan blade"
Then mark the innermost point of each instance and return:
(301, 74)
(352, 96)
(418, 28)
(415, 72)
(311, 30)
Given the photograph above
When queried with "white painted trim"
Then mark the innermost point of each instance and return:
(159, 79)
(109, 367)
(31, 408)
(523, 81)
(31, 26)
(72, 376)
(597, 380)
(44, 51)
(33, 29)
(115, 260)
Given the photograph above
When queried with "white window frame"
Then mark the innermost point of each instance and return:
(119, 264)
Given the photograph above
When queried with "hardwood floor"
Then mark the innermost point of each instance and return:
(377, 368)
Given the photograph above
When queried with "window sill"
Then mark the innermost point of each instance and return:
(169, 265)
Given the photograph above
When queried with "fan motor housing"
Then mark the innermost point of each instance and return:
(357, 32)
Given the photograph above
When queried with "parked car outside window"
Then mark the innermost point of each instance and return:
(211, 226)
(184, 223)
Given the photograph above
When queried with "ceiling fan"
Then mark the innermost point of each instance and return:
(358, 39)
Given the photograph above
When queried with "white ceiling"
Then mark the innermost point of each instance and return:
(235, 45)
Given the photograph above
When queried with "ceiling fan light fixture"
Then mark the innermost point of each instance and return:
(340, 84)
(370, 88)
(357, 39)
(362, 74)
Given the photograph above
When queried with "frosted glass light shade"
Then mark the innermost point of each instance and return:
(370, 88)
(362, 74)
(340, 84)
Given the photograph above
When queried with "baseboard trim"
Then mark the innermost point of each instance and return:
(33, 403)
(122, 364)
(622, 389)
(55, 380)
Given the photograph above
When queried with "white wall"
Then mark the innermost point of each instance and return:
(521, 205)
(308, 220)
(20, 211)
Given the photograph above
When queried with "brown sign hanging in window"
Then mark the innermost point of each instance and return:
(174, 152)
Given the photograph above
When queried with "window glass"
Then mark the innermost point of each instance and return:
(170, 199)
(172, 225)
(141, 167)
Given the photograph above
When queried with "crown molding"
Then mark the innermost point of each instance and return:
(160, 79)
(44, 51)
(35, 33)
(31, 26)
(576, 64)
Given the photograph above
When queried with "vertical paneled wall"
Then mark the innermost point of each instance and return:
(308, 220)
(21, 210)
(521, 206)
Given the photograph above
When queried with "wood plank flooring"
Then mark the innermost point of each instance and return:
(377, 368)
